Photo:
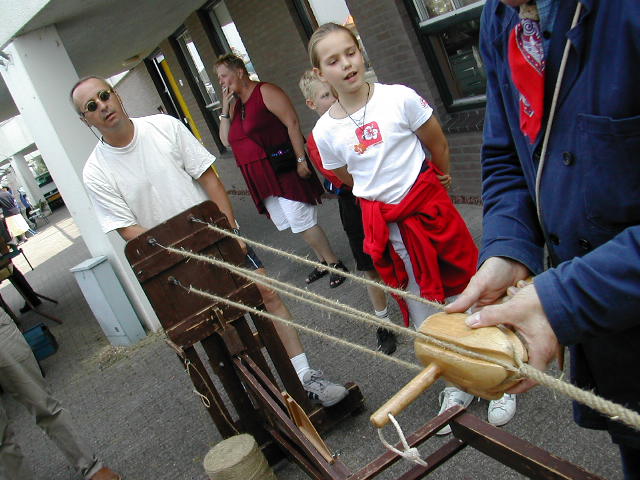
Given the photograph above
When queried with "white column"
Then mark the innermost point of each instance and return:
(26, 179)
(39, 78)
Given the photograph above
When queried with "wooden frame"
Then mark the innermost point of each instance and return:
(235, 355)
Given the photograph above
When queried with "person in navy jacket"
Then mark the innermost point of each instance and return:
(585, 209)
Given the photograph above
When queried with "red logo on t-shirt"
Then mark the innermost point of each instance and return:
(368, 135)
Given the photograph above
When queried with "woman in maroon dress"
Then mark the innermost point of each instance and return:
(257, 118)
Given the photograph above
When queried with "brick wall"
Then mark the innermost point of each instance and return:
(393, 47)
(394, 50)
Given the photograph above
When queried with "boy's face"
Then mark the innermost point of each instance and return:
(322, 98)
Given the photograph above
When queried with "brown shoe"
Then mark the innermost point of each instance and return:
(105, 473)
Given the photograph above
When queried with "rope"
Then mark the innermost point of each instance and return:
(409, 453)
(552, 113)
(334, 306)
(204, 399)
(613, 410)
(340, 341)
(296, 258)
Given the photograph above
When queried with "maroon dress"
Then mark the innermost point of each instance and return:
(267, 130)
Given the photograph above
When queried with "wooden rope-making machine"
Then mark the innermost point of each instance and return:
(285, 423)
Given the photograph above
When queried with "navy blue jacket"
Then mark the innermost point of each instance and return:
(589, 196)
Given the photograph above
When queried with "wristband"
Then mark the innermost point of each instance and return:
(300, 159)
(224, 115)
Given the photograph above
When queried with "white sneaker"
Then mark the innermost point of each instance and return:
(320, 390)
(449, 397)
(502, 410)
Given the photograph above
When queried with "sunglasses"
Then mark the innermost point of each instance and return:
(92, 105)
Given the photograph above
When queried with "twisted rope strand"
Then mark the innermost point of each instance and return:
(330, 305)
(296, 258)
(613, 410)
(340, 341)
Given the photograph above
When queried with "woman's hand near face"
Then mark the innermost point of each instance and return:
(227, 100)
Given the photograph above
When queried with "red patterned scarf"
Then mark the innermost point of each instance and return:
(526, 60)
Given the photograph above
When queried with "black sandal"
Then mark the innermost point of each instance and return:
(316, 274)
(335, 280)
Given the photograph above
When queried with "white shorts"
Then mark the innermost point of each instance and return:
(285, 213)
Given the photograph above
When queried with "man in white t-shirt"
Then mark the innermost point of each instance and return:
(146, 170)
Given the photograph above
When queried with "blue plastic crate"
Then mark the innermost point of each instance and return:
(41, 340)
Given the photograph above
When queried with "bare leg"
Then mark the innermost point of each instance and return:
(318, 389)
(276, 306)
(318, 241)
(377, 295)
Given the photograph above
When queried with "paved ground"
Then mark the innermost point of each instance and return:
(136, 407)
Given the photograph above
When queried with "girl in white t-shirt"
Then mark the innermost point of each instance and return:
(372, 138)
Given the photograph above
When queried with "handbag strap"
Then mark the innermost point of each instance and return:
(250, 137)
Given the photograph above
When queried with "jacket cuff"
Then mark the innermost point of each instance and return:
(560, 318)
(522, 252)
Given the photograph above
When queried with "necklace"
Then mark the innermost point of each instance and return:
(360, 147)
(361, 127)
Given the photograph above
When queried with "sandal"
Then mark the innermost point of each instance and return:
(316, 274)
(335, 280)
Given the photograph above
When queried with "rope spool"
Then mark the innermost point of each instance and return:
(488, 379)
(237, 458)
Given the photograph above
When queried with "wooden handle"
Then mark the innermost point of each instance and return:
(406, 395)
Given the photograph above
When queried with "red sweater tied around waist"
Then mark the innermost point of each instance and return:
(441, 248)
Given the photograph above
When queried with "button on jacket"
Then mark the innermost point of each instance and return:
(589, 195)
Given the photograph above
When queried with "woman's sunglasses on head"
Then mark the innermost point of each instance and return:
(92, 105)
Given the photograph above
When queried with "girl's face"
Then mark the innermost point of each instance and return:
(341, 62)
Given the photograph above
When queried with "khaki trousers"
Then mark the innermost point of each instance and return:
(20, 377)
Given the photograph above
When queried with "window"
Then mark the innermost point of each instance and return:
(198, 71)
(227, 36)
(449, 30)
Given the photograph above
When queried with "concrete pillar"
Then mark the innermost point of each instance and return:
(26, 179)
(39, 78)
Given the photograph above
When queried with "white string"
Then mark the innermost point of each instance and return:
(552, 112)
(409, 453)
(203, 398)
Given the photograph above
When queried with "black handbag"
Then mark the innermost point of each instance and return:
(282, 157)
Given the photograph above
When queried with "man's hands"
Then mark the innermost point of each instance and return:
(523, 312)
(489, 284)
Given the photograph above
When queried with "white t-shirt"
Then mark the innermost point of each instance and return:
(151, 179)
(384, 157)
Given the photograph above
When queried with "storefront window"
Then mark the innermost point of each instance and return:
(450, 34)
(198, 70)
